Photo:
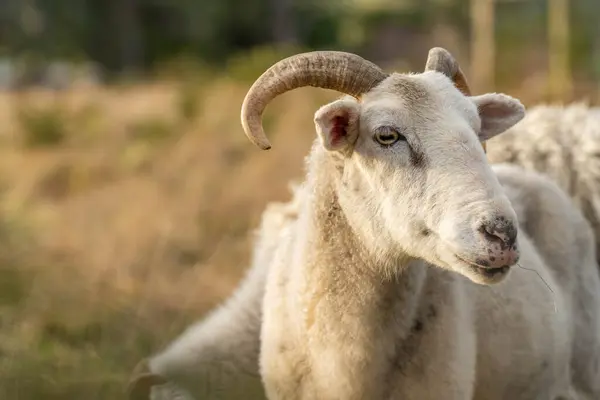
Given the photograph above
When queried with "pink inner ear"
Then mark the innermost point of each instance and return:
(338, 129)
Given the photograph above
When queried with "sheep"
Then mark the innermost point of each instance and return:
(397, 280)
(225, 344)
(563, 143)
(525, 206)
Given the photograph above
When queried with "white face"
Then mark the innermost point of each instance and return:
(416, 175)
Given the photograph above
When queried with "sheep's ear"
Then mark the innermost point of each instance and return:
(498, 112)
(142, 380)
(337, 124)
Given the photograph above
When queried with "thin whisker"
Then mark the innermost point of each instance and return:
(543, 280)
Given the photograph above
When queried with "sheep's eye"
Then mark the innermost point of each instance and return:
(387, 137)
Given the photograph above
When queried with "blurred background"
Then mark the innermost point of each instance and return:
(129, 192)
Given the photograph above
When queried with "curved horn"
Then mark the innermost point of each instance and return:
(440, 59)
(345, 72)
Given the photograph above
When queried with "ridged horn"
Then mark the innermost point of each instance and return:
(345, 72)
(440, 59)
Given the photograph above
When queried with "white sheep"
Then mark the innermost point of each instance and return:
(219, 354)
(400, 280)
(530, 194)
(562, 142)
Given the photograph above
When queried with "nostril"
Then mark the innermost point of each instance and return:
(489, 234)
(501, 232)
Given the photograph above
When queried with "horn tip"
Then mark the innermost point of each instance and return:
(261, 143)
(440, 59)
(438, 49)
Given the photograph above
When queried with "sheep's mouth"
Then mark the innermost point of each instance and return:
(488, 272)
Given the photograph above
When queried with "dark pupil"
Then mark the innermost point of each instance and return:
(387, 138)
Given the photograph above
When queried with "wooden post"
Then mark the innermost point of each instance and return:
(483, 49)
(596, 61)
(559, 66)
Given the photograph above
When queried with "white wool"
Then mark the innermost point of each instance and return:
(562, 142)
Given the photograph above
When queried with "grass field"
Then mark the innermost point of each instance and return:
(126, 213)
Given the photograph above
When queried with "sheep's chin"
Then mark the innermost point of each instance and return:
(478, 274)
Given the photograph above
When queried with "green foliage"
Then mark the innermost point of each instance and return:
(189, 101)
(184, 67)
(12, 286)
(80, 362)
(150, 129)
(584, 14)
(42, 126)
(141, 35)
(518, 27)
(87, 119)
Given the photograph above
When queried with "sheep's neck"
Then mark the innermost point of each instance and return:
(353, 313)
(353, 280)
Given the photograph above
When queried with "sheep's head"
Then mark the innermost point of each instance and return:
(410, 150)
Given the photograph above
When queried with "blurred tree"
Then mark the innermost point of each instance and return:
(130, 36)
(284, 25)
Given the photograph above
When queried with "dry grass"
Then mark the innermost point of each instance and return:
(126, 214)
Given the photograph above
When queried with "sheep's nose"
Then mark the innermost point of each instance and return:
(500, 231)
(500, 237)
